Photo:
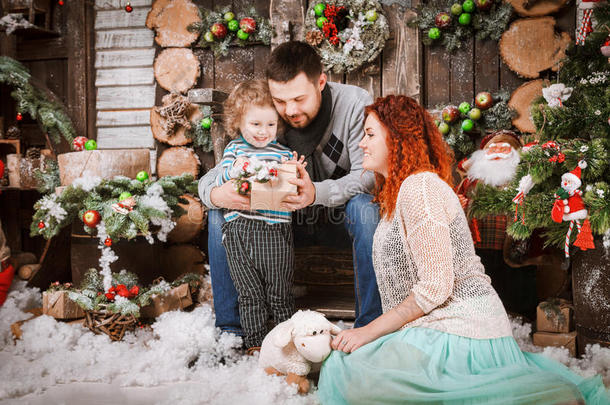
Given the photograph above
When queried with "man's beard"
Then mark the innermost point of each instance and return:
(494, 173)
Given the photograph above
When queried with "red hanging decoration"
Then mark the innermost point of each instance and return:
(108, 242)
(19, 116)
(128, 7)
(585, 238)
(41, 225)
(60, 2)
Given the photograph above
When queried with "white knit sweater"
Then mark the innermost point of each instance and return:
(426, 249)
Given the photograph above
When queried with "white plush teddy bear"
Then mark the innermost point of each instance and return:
(293, 346)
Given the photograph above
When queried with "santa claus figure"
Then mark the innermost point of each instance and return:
(495, 164)
(7, 271)
(569, 205)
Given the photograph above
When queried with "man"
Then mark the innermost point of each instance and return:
(325, 125)
(495, 164)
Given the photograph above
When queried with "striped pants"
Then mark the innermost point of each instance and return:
(261, 263)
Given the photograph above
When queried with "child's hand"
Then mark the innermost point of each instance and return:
(295, 159)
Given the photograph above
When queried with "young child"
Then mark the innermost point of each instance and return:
(258, 243)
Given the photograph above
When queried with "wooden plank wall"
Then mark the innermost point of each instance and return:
(397, 70)
(477, 66)
(124, 81)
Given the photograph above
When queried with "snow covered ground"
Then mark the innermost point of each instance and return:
(182, 360)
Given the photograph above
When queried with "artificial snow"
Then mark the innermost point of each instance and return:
(184, 359)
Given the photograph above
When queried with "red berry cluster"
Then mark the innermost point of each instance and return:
(334, 15)
(554, 147)
(122, 291)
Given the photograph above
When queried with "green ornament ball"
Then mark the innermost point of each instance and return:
(468, 6)
(371, 15)
(456, 9)
(319, 9)
(206, 123)
(242, 35)
(465, 18)
(467, 125)
(124, 195)
(444, 128)
(142, 176)
(464, 107)
(208, 36)
(233, 25)
(320, 21)
(90, 145)
(229, 16)
(434, 33)
(474, 114)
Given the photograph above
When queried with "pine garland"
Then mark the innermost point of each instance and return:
(91, 296)
(156, 204)
(48, 179)
(49, 114)
(497, 117)
(262, 34)
(201, 136)
(485, 24)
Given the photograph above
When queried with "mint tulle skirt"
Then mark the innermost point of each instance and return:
(426, 366)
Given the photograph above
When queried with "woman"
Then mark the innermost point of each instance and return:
(444, 336)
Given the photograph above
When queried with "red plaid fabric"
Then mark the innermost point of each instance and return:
(493, 232)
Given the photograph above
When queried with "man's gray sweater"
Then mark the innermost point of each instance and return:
(338, 151)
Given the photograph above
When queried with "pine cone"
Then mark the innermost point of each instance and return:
(13, 132)
(314, 38)
(33, 153)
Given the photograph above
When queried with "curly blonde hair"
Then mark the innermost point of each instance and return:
(243, 96)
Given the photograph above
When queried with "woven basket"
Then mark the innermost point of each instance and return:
(113, 325)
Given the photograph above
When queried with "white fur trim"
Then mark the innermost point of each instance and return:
(582, 214)
(566, 209)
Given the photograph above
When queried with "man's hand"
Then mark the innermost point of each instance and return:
(351, 339)
(305, 189)
(226, 196)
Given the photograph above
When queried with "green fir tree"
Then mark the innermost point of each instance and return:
(581, 129)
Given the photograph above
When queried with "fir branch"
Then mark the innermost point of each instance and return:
(49, 114)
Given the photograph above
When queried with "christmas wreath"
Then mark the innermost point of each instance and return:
(451, 23)
(221, 28)
(347, 34)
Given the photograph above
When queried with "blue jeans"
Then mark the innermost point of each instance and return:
(361, 219)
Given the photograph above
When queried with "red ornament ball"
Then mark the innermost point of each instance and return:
(219, 30)
(19, 116)
(247, 25)
(108, 242)
(41, 225)
(128, 8)
(91, 218)
(60, 2)
(78, 143)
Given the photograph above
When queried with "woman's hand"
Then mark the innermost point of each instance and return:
(351, 339)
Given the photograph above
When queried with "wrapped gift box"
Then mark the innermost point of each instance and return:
(175, 299)
(58, 305)
(269, 195)
(567, 340)
(554, 316)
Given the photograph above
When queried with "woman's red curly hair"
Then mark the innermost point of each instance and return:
(415, 145)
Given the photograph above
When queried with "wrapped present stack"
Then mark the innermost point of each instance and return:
(554, 325)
